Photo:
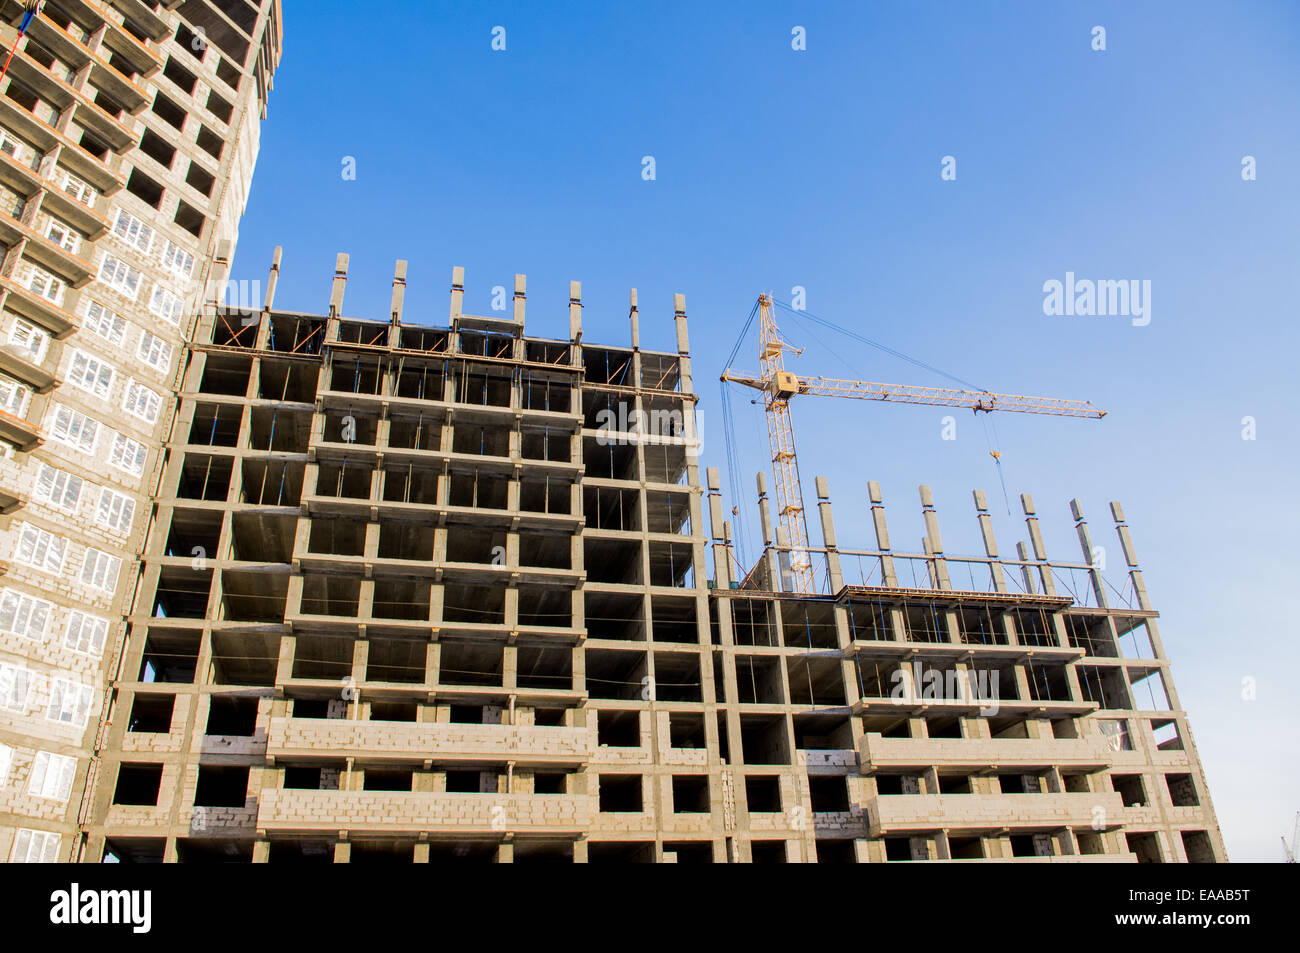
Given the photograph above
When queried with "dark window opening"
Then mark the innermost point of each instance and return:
(763, 793)
(179, 75)
(138, 784)
(221, 786)
(190, 219)
(169, 112)
(152, 714)
(388, 780)
(201, 179)
(236, 717)
(157, 148)
(620, 793)
(145, 188)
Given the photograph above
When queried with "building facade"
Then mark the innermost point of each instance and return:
(128, 135)
(455, 601)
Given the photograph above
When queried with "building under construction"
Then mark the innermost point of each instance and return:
(414, 593)
(286, 586)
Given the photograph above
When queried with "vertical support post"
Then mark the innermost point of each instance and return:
(1130, 555)
(634, 319)
(1036, 540)
(457, 296)
(396, 304)
(520, 299)
(273, 279)
(1026, 572)
(339, 285)
(1085, 543)
(887, 574)
(575, 311)
(769, 536)
(718, 530)
(990, 541)
(933, 541)
(828, 535)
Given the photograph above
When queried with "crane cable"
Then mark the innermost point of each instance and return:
(33, 9)
(893, 352)
(733, 475)
(732, 453)
(991, 441)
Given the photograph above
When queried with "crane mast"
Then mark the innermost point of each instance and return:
(780, 438)
(778, 385)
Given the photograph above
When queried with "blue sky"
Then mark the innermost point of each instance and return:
(821, 168)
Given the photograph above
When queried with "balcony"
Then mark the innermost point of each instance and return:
(438, 741)
(57, 90)
(971, 706)
(50, 255)
(73, 211)
(149, 820)
(1125, 858)
(878, 752)
(12, 496)
(25, 178)
(44, 312)
(20, 363)
(144, 16)
(492, 815)
(914, 813)
(19, 431)
(21, 171)
(118, 39)
(36, 127)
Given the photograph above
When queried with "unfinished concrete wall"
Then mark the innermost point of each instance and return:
(455, 604)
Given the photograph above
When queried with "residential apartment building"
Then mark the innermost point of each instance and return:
(128, 136)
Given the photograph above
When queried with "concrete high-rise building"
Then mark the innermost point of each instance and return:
(128, 135)
(285, 586)
(456, 604)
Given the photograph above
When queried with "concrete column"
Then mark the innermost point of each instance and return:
(990, 541)
(888, 576)
(336, 290)
(828, 535)
(273, 280)
(520, 299)
(718, 531)
(1130, 558)
(457, 296)
(635, 322)
(1085, 543)
(575, 312)
(1036, 540)
(769, 536)
(396, 303)
(1026, 571)
(934, 542)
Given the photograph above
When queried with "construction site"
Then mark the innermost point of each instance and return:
(414, 593)
(380, 589)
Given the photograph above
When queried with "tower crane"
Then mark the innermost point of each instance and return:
(1290, 849)
(779, 385)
